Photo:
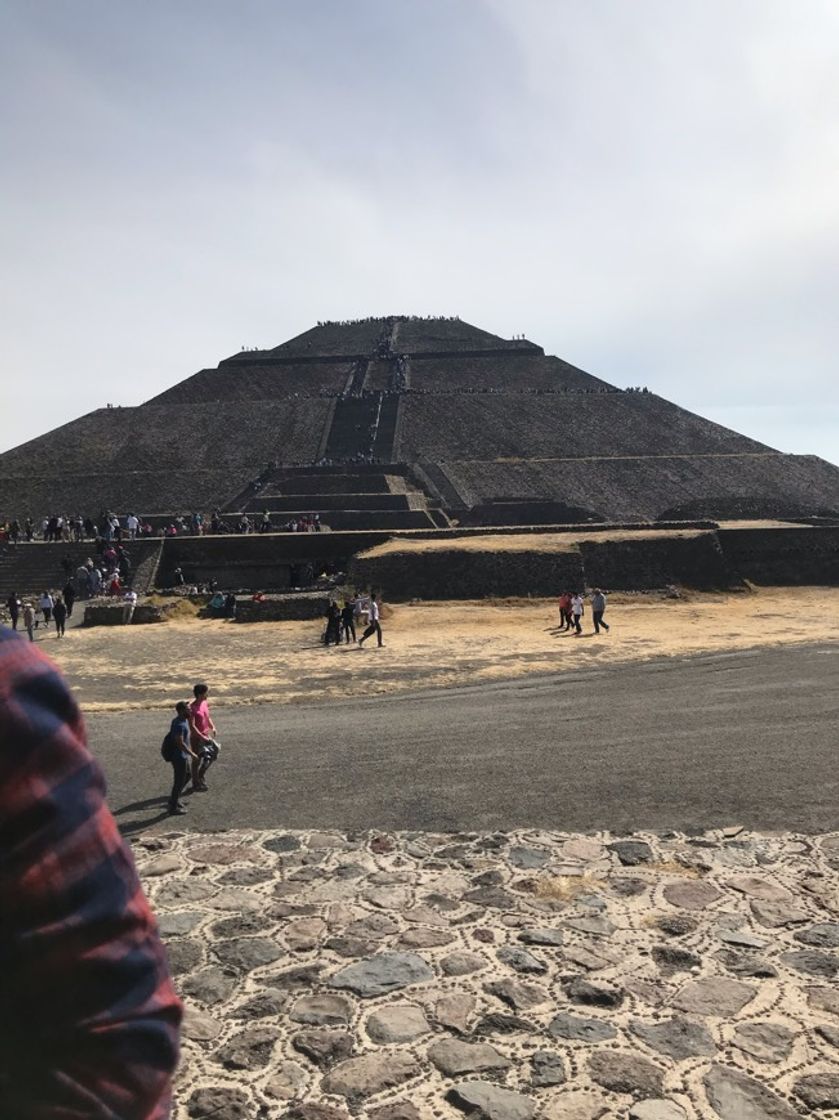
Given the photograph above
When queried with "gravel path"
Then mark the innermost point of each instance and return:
(747, 738)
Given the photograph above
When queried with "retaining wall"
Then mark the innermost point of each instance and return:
(457, 574)
(270, 561)
(646, 563)
(282, 608)
(640, 564)
(784, 557)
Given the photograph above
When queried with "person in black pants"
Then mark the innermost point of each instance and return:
(348, 620)
(176, 749)
(333, 624)
(13, 605)
(374, 626)
(59, 614)
(598, 606)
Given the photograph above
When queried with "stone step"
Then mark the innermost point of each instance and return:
(319, 503)
(32, 567)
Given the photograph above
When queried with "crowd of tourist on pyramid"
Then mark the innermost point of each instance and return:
(57, 528)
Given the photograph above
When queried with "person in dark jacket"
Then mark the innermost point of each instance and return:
(59, 614)
(348, 620)
(13, 607)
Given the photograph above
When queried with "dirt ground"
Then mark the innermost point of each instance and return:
(428, 645)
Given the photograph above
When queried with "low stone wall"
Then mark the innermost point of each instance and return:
(282, 608)
(110, 614)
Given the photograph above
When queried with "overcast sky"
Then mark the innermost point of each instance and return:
(647, 188)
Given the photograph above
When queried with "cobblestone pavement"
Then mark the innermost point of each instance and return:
(509, 976)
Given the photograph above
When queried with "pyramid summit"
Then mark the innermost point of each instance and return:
(409, 422)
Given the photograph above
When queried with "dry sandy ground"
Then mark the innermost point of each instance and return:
(429, 645)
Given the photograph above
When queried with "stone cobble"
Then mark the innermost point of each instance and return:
(512, 976)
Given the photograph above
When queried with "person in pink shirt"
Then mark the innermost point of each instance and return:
(202, 737)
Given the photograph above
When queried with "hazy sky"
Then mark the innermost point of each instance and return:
(647, 188)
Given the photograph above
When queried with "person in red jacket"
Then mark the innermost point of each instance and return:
(565, 610)
(89, 1020)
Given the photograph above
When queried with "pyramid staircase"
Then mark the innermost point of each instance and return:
(33, 566)
(345, 496)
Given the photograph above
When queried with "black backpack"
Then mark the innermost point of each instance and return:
(167, 750)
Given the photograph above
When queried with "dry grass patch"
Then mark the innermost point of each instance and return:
(673, 867)
(565, 888)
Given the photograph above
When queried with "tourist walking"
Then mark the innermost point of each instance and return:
(373, 626)
(577, 612)
(565, 610)
(333, 624)
(59, 614)
(177, 750)
(13, 607)
(129, 602)
(348, 620)
(598, 606)
(29, 619)
(69, 596)
(46, 603)
(205, 747)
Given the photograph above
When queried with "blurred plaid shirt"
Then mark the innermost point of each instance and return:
(88, 1015)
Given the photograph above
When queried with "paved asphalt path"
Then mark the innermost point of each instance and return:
(750, 738)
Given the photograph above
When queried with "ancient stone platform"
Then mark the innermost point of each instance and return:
(509, 976)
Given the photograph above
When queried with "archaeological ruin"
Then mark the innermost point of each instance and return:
(412, 427)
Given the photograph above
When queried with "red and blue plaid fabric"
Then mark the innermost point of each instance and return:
(88, 1015)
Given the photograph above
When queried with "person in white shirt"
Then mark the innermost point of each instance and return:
(132, 524)
(129, 602)
(46, 603)
(373, 626)
(577, 611)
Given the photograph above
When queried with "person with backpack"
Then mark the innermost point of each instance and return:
(177, 750)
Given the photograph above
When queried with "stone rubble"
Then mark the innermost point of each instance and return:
(525, 976)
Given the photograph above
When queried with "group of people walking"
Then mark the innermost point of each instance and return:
(572, 608)
(51, 608)
(344, 622)
(191, 747)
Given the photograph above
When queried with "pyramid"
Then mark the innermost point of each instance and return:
(407, 422)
